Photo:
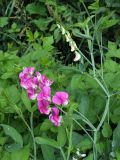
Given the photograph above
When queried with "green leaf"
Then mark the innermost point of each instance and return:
(76, 138)
(47, 43)
(111, 66)
(13, 133)
(13, 93)
(85, 144)
(3, 21)
(43, 23)
(84, 104)
(22, 154)
(26, 101)
(116, 137)
(47, 141)
(33, 8)
(106, 131)
(46, 125)
(7, 75)
(48, 152)
(30, 35)
(61, 137)
(105, 22)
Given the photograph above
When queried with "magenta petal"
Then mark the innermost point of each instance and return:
(60, 98)
(56, 100)
(54, 116)
(32, 93)
(44, 94)
(43, 107)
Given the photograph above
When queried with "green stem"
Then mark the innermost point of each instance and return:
(83, 129)
(63, 154)
(70, 141)
(85, 120)
(32, 133)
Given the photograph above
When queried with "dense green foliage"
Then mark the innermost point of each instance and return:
(29, 36)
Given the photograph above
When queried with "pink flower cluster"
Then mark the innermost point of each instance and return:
(38, 88)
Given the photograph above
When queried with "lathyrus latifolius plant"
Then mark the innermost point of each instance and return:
(38, 87)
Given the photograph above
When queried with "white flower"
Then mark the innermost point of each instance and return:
(63, 30)
(77, 56)
(73, 46)
(67, 36)
(58, 25)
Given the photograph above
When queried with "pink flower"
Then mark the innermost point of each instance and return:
(43, 107)
(54, 116)
(32, 93)
(27, 71)
(60, 98)
(26, 82)
(39, 76)
(44, 94)
(45, 81)
(26, 77)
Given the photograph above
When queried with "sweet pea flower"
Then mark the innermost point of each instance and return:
(60, 98)
(31, 93)
(26, 77)
(44, 94)
(54, 116)
(27, 72)
(43, 107)
(45, 81)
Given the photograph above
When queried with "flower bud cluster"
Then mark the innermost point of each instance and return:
(38, 87)
(71, 42)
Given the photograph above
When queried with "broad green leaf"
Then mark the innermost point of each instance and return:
(47, 141)
(84, 104)
(22, 154)
(116, 137)
(106, 131)
(76, 138)
(89, 157)
(48, 152)
(110, 66)
(33, 8)
(3, 140)
(13, 133)
(7, 75)
(105, 22)
(3, 21)
(47, 43)
(46, 125)
(30, 35)
(43, 23)
(13, 93)
(85, 144)
(118, 154)
(26, 101)
(61, 137)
